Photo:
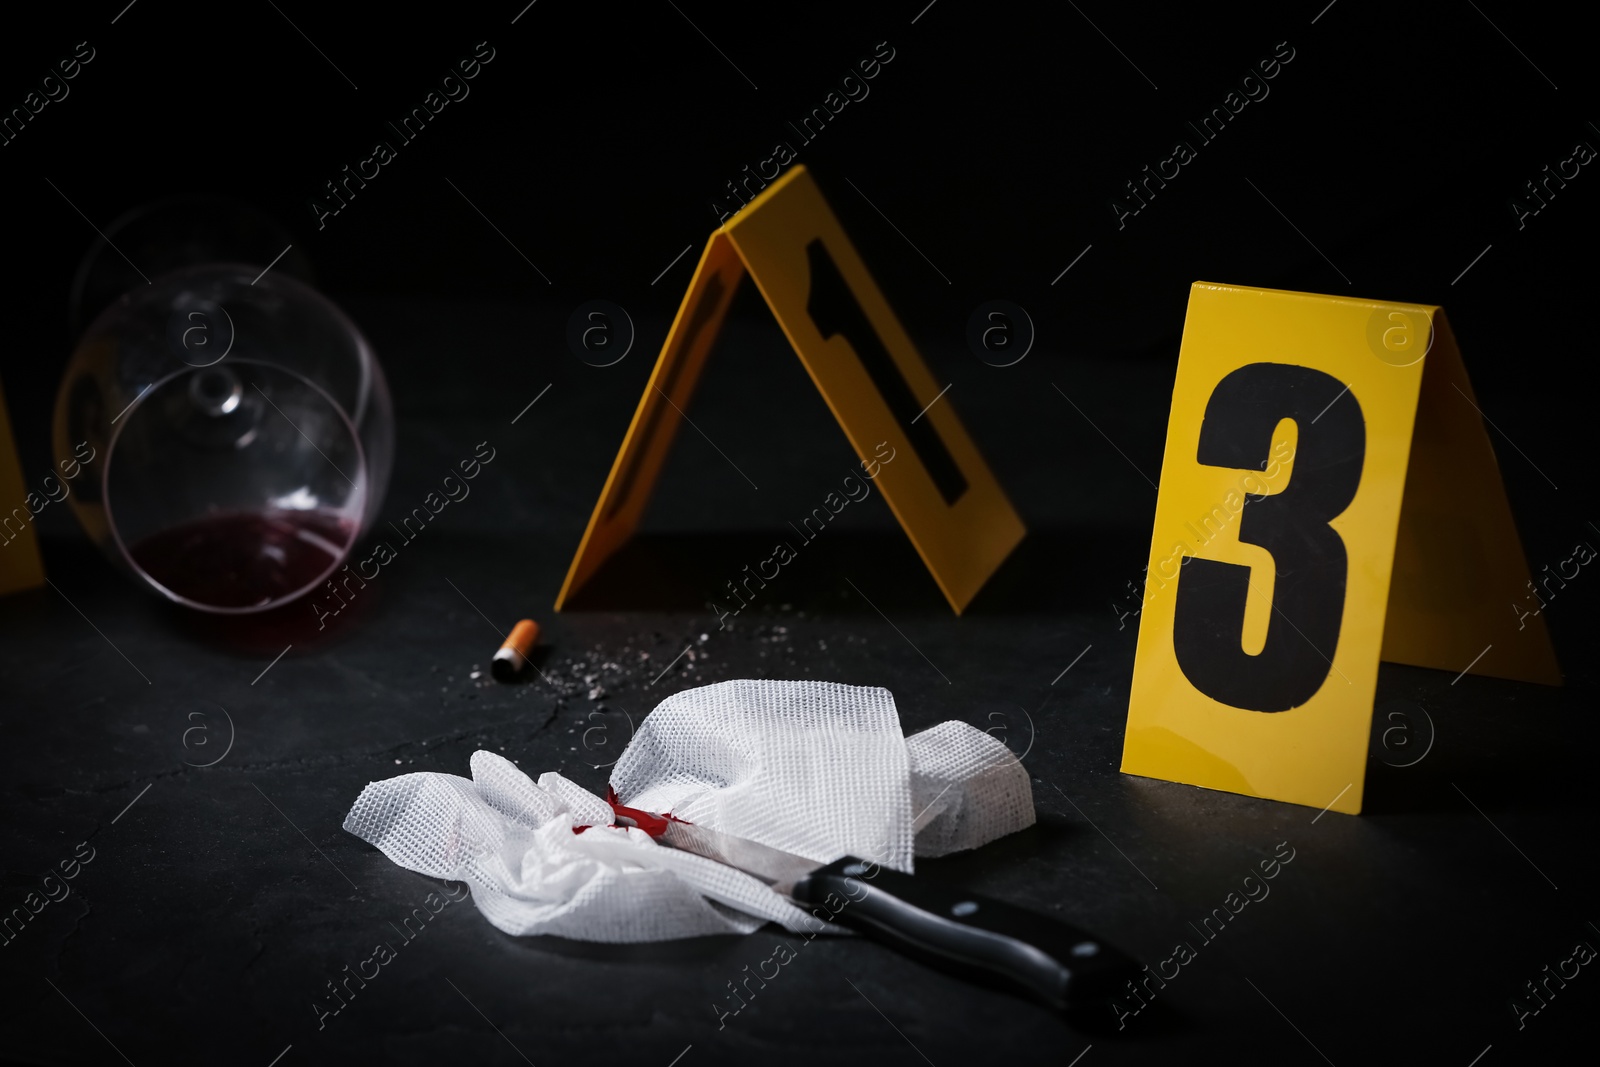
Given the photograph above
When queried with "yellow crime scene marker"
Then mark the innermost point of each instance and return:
(20, 565)
(862, 362)
(1329, 498)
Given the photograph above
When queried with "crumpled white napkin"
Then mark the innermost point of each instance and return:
(814, 768)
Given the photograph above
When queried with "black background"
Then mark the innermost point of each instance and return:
(596, 141)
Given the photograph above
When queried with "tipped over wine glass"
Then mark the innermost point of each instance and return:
(242, 425)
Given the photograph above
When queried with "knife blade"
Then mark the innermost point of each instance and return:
(973, 936)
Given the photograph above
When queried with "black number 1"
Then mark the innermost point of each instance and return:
(1309, 560)
(834, 310)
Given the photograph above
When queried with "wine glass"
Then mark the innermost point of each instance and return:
(243, 434)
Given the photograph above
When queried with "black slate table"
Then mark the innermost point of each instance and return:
(218, 902)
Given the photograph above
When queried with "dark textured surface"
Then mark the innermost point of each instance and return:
(1382, 165)
(218, 905)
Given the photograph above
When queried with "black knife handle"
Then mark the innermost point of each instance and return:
(971, 935)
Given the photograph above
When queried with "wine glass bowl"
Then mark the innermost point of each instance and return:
(245, 432)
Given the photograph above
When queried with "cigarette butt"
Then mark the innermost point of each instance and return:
(513, 655)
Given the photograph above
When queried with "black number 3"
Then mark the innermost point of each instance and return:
(1309, 559)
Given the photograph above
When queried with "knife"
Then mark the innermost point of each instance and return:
(975, 937)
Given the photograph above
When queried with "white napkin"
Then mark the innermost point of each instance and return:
(814, 768)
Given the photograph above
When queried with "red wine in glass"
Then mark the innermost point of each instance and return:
(243, 561)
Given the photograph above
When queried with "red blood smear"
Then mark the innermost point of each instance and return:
(242, 561)
(648, 821)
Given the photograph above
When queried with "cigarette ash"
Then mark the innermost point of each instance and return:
(602, 692)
